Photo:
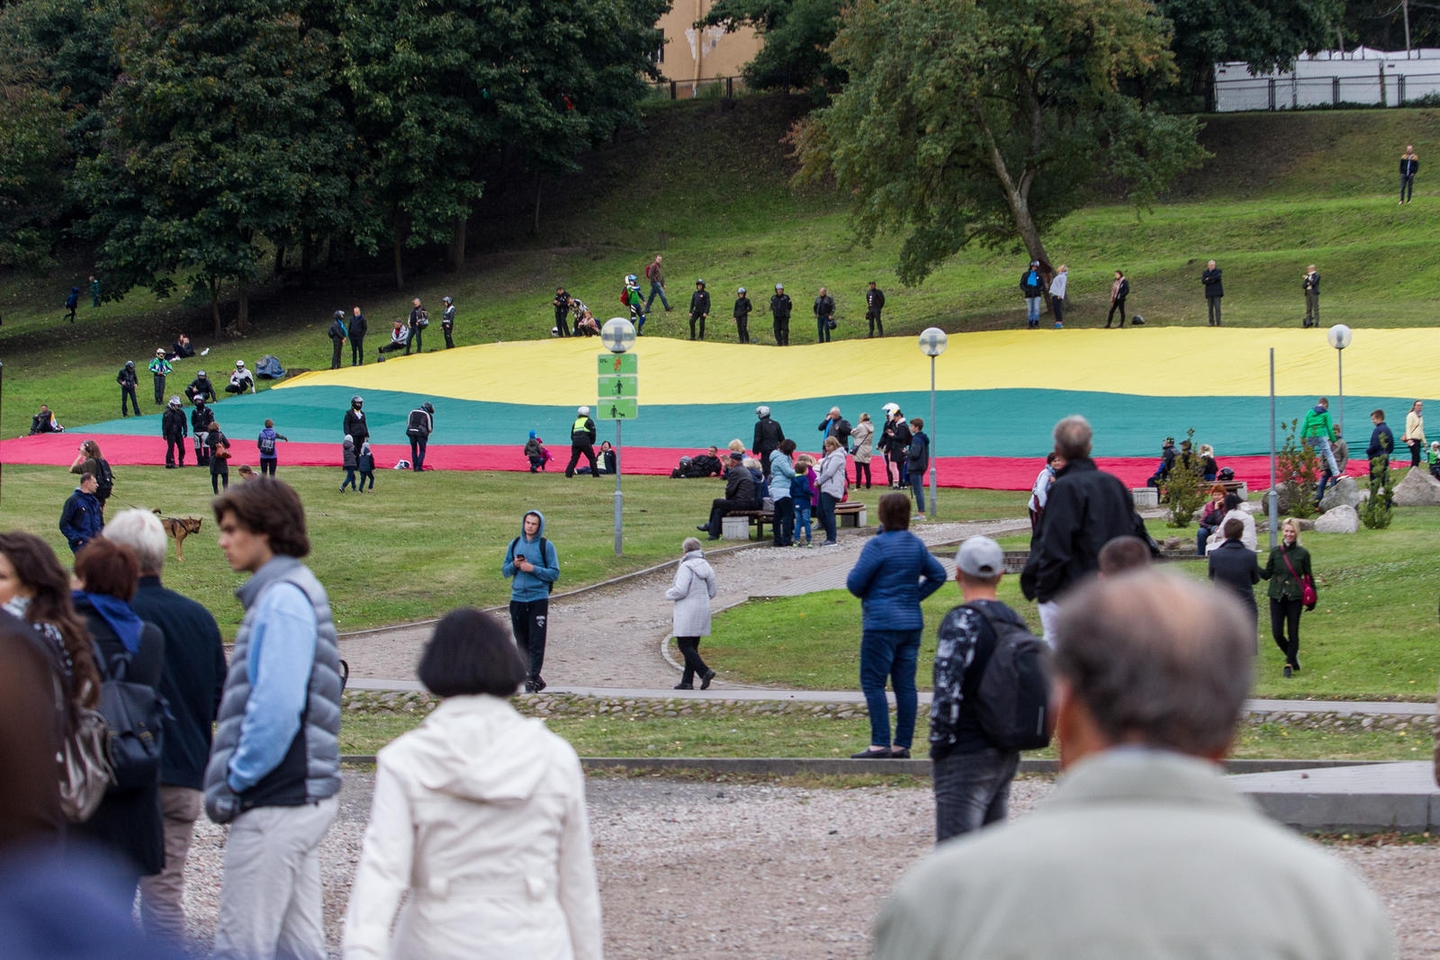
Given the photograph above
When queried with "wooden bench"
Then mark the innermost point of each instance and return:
(737, 524)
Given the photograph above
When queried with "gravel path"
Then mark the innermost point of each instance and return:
(612, 637)
(719, 869)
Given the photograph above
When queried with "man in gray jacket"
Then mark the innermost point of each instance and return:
(274, 769)
(1143, 849)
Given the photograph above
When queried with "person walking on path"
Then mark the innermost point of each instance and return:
(1032, 288)
(128, 381)
(1057, 295)
(782, 475)
(692, 591)
(419, 320)
(970, 774)
(1119, 290)
(174, 429)
(1414, 437)
(874, 303)
(699, 308)
(1409, 166)
(824, 316)
(1311, 285)
(780, 308)
(562, 311)
(532, 566)
(72, 302)
(768, 435)
(337, 334)
(219, 447)
(478, 823)
(742, 315)
(894, 573)
(358, 328)
(863, 436)
(917, 461)
(265, 445)
(82, 517)
(160, 368)
(582, 442)
(274, 768)
(1317, 432)
(447, 322)
(191, 683)
(655, 273)
(831, 479)
(1292, 588)
(1235, 566)
(418, 428)
(1214, 292)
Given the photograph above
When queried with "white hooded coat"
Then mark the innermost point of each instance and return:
(479, 816)
(692, 592)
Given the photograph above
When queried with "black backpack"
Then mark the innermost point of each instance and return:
(1012, 702)
(549, 587)
(418, 424)
(134, 714)
(104, 478)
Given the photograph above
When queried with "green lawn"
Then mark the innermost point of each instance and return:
(1373, 635)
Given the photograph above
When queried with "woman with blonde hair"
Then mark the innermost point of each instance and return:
(1415, 431)
(1292, 588)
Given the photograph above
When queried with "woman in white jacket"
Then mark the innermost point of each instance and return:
(478, 822)
(692, 592)
(1232, 509)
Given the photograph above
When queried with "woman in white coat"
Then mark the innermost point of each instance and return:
(692, 592)
(478, 822)
(1232, 509)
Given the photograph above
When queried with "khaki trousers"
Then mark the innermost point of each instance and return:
(162, 896)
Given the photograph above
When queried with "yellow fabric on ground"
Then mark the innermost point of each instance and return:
(1154, 362)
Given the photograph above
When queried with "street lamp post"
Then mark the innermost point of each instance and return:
(933, 342)
(1339, 337)
(618, 336)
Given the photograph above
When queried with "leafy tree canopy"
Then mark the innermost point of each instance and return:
(797, 35)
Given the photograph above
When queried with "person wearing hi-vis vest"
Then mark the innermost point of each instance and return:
(582, 442)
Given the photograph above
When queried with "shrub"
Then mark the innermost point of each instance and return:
(1297, 470)
(1376, 512)
(1183, 492)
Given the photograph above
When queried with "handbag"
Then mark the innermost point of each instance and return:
(830, 324)
(84, 755)
(1307, 588)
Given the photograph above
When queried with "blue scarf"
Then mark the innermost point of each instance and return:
(117, 613)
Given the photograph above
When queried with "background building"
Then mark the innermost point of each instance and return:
(692, 55)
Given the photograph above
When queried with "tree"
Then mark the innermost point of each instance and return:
(797, 35)
(33, 156)
(988, 120)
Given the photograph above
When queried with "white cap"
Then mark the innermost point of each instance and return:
(583, 411)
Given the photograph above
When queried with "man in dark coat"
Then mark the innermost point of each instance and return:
(824, 315)
(358, 329)
(562, 311)
(447, 322)
(780, 307)
(1167, 463)
(354, 425)
(174, 430)
(337, 334)
(1382, 444)
(1087, 508)
(1214, 291)
(874, 303)
(699, 308)
(767, 438)
(582, 442)
(1234, 565)
(419, 320)
(72, 301)
(201, 390)
(739, 495)
(128, 380)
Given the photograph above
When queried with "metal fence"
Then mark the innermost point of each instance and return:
(708, 89)
(1380, 89)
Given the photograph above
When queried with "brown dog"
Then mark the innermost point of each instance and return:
(178, 528)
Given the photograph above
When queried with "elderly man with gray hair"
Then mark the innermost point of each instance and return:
(191, 684)
(1142, 850)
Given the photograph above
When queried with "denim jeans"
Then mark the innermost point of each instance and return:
(822, 329)
(972, 790)
(827, 515)
(783, 524)
(1032, 310)
(892, 654)
(656, 291)
(802, 521)
(917, 487)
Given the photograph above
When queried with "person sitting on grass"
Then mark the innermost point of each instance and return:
(536, 453)
(240, 381)
(399, 339)
(45, 422)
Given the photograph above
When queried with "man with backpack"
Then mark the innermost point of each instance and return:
(533, 567)
(419, 320)
(656, 275)
(418, 428)
(128, 381)
(982, 647)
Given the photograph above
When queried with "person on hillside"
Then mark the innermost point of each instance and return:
(780, 308)
(1382, 445)
(201, 390)
(399, 340)
(699, 308)
(533, 567)
(582, 442)
(1040, 492)
(181, 348)
(655, 273)
(72, 302)
(82, 519)
(274, 768)
(219, 446)
(917, 461)
(562, 312)
(338, 335)
(692, 591)
(1310, 284)
(1409, 166)
(200, 418)
(1235, 566)
(782, 479)
(358, 328)
(1290, 576)
(45, 422)
(160, 368)
(874, 303)
(1152, 675)
(1032, 288)
(1119, 290)
(89, 459)
(355, 426)
(831, 478)
(892, 577)
(174, 429)
(419, 320)
(1214, 292)
(418, 427)
(241, 381)
(824, 309)
(128, 380)
(476, 802)
(585, 323)
(768, 435)
(447, 322)
(1057, 295)
(1414, 436)
(1317, 432)
(265, 444)
(633, 300)
(863, 436)
(1167, 463)
(535, 452)
(94, 293)
(741, 314)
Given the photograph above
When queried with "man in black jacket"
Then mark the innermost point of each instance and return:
(874, 303)
(418, 428)
(699, 308)
(354, 425)
(739, 495)
(419, 320)
(128, 380)
(200, 419)
(780, 307)
(337, 334)
(1087, 508)
(447, 322)
(1214, 291)
(562, 311)
(582, 442)
(824, 316)
(742, 316)
(173, 429)
(767, 438)
(358, 329)
(201, 390)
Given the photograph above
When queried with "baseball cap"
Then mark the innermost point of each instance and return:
(980, 557)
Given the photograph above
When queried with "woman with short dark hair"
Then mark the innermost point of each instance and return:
(478, 822)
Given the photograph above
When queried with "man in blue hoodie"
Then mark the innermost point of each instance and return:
(534, 567)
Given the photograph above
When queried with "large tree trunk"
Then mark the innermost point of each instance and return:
(215, 305)
(457, 244)
(279, 260)
(242, 317)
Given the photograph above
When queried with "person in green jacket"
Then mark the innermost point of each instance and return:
(1287, 569)
(1318, 432)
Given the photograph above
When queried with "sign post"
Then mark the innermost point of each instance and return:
(616, 388)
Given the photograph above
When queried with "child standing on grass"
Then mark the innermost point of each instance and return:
(366, 461)
(350, 462)
(802, 494)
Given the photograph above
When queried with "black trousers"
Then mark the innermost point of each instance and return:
(416, 337)
(560, 324)
(1285, 618)
(417, 452)
(693, 318)
(743, 328)
(219, 474)
(528, 621)
(784, 523)
(876, 327)
(267, 466)
(782, 332)
(1214, 306)
(159, 388)
(1117, 305)
(174, 451)
(690, 650)
(718, 509)
(576, 452)
(357, 350)
(862, 470)
(335, 346)
(1415, 447)
(449, 332)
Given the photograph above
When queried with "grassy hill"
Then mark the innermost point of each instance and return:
(708, 184)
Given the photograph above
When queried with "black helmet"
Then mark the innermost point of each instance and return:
(1226, 474)
(428, 407)
(356, 400)
(339, 314)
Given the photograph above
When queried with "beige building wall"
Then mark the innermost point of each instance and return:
(692, 54)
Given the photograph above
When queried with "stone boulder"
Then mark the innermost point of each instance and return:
(1256, 508)
(1341, 519)
(1344, 491)
(1418, 489)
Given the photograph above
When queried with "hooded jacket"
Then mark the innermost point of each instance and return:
(536, 585)
(692, 592)
(1318, 424)
(479, 815)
